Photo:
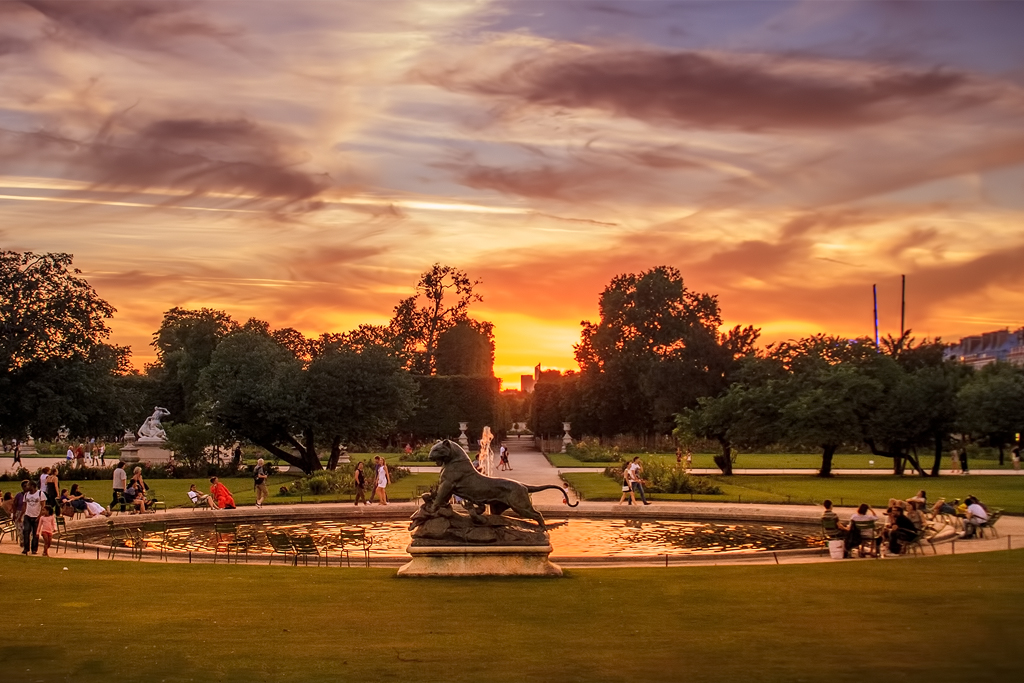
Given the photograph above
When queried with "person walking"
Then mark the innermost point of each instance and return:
(30, 522)
(964, 467)
(259, 483)
(627, 486)
(359, 481)
(637, 481)
(954, 461)
(120, 481)
(17, 454)
(382, 481)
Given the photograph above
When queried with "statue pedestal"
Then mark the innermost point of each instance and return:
(147, 450)
(521, 560)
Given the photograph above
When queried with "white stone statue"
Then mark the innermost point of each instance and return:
(151, 428)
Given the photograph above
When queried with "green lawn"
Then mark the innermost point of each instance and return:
(997, 492)
(783, 461)
(846, 621)
(174, 491)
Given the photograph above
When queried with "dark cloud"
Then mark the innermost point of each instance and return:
(237, 160)
(718, 91)
(131, 23)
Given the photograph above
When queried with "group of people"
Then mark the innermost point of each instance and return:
(381, 479)
(34, 509)
(904, 522)
(633, 482)
(95, 453)
(131, 492)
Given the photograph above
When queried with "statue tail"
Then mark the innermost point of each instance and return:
(565, 494)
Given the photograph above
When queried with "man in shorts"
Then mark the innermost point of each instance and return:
(259, 479)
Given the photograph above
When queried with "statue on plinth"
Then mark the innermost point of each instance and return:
(151, 430)
(472, 542)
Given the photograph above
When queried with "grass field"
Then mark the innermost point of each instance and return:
(850, 621)
(997, 492)
(784, 461)
(174, 491)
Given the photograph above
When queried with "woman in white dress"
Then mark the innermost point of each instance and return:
(382, 481)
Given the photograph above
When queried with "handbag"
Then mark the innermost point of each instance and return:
(625, 487)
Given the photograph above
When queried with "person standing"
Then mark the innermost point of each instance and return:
(70, 454)
(359, 481)
(52, 489)
(18, 506)
(954, 461)
(964, 468)
(382, 481)
(30, 522)
(259, 483)
(17, 454)
(47, 525)
(103, 453)
(688, 460)
(1016, 458)
(120, 481)
(637, 480)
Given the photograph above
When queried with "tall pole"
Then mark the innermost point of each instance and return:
(874, 291)
(903, 307)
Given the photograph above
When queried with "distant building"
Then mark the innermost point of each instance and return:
(981, 349)
(526, 383)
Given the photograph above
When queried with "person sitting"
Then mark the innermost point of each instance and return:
(915, 515)
(132, 496)
(975, 518)
(78, 500)
(8, 504)
(900, 528)
(941, 507)
(221, 494)
(830, 523)
(920, 498)
(201, 498)
(864, 513)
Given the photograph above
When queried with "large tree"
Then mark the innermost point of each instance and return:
(991, 405)
(654, 351)
(441, 301)
(55, 366)
(258, 390)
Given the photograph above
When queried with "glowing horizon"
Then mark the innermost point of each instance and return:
(303, 163)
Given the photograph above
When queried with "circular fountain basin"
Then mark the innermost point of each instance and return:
(575, 537)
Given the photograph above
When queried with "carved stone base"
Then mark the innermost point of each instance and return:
(480, 561)
(151, 453)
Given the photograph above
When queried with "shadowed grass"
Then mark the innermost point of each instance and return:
(849, 621)
(784, 461)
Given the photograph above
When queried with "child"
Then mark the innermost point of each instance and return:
(47, 525)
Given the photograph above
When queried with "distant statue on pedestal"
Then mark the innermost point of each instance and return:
(151, 429)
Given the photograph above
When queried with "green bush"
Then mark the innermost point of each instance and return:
(340, 481)
(593, 451)
(421, 454)
(663, 478)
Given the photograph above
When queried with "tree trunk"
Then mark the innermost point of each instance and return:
(724, 461)
(915, 462)
(1001, 462)
(897, 463)
(332, 462)
(826, 461)
(938, 455)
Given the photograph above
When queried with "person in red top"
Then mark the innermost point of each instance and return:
(220, 493)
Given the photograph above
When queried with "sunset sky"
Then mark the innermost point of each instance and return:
(303, 162)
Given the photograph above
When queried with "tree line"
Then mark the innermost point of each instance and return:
(224, 380)
(657, 363)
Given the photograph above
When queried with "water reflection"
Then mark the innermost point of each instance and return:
(570, 538)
